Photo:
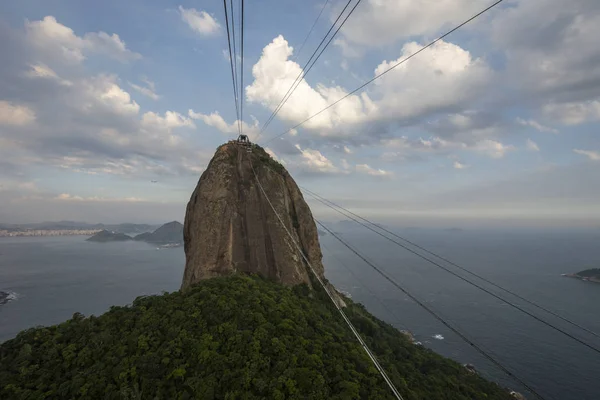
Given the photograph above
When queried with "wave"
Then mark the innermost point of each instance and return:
(438, 337)
(7, 296)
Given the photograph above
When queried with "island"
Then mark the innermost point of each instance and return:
(590, 275)
(108, 236)
(168, 235)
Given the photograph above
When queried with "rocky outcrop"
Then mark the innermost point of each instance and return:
(230, 227)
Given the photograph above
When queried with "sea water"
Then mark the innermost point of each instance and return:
(47, 279)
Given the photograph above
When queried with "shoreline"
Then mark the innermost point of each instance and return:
(583, 278)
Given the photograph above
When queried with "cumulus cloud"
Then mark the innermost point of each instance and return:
(80, 122)
(314, 161)
(216, 120)
(382, 22)
(274, 73)
(15, 114)
(531, 145)
(104, 92)
(554, 56)
(574, 113)
(592, 155)
(368, 170)
(445, 76)
(53, 38)
(199, 21)
(171, 120)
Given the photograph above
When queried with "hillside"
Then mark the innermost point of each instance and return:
(169, 233)
(106, 236)
(229, 337)
(590, 273)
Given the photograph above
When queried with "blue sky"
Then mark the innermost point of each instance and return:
(497, 123)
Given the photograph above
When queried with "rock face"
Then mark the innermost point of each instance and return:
(230, 227)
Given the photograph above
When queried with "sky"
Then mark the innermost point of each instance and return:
(498, 123)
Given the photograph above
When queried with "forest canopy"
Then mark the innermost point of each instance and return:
(238, 337)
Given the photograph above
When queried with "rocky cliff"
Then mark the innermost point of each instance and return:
(230, 227)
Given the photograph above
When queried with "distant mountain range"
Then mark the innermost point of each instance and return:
(73, 225)
(168, 234)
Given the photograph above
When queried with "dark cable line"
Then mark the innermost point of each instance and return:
(242, 75)
(300, 75)
(311, 29)
(468, 281)
(306, 71)
(385, 72)
(235, 92)
(430, 311)
(235, 63)
(327, 291)
(455, 265)
(372, 293)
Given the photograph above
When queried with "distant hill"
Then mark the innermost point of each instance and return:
(108, 236)
(169, 233)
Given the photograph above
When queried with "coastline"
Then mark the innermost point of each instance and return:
(583, 278)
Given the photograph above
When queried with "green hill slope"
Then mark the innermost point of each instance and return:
(237, 337)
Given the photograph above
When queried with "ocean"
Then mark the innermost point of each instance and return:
(50, 278)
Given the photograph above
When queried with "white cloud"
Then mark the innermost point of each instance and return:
(149, 90)
(347, 49)
(171, 120)
(531, 145)
(444, 76)
(70, 197)
(554, 54)
(368, 170)
(216, 120)
(404, 146)
(274, 73)
(54, 38)
(459, 165)
(314, 161)
(103, 91)
(592, 155)
(574, 113)
(199, 21)
(535, 125)
(382, 22)
(14, 114)
(492, 148)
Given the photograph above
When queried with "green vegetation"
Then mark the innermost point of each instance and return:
(590, 273)
(266, 159)
(238, 337)
(106, 236)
